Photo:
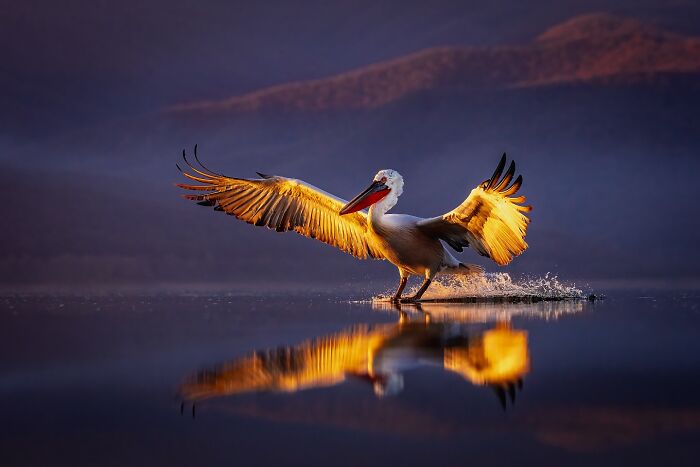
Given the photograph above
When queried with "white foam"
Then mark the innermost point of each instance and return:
(498, 285)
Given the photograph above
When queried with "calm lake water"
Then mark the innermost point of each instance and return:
(292, 380)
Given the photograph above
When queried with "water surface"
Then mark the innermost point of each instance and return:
(294, 380)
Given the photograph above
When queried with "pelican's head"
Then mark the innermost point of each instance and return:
(386, 182)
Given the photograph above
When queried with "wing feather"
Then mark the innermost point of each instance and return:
(490, 220)
(282, 204)
(506, 178)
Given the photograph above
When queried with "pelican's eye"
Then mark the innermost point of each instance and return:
(383, 180)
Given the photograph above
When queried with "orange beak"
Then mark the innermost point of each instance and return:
(376, 191)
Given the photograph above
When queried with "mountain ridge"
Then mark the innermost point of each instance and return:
(592, 48)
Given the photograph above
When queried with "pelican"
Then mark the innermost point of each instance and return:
(490, 219)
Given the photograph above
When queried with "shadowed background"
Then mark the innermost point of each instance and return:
(596, 101)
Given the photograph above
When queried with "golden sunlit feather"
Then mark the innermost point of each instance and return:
(489, 220)
(283, 204)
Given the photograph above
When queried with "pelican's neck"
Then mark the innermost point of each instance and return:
(381, 207)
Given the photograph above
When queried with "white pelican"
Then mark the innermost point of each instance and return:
(490, 220)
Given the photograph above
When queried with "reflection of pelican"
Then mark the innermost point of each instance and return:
(490, 220)
(379, 355)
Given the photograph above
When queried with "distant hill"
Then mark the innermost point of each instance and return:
(593, 48)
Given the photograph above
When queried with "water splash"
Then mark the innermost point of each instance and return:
(498, 286)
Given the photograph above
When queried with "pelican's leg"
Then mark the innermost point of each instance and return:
(399, 291)
(423, 288)
(421, 291)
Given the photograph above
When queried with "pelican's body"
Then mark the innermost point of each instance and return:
(404, 245)
(489, 220)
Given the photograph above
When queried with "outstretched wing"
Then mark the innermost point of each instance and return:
(490, 220)
(282, 204)
(321, 362)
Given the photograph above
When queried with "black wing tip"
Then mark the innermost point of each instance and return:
(196, 158)
(510, 387)
(493, 181)
(503, 160)
(265, 176)
(184, 157)
(518, 181)
(501, 394)
(503, 184)
(201, 164)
